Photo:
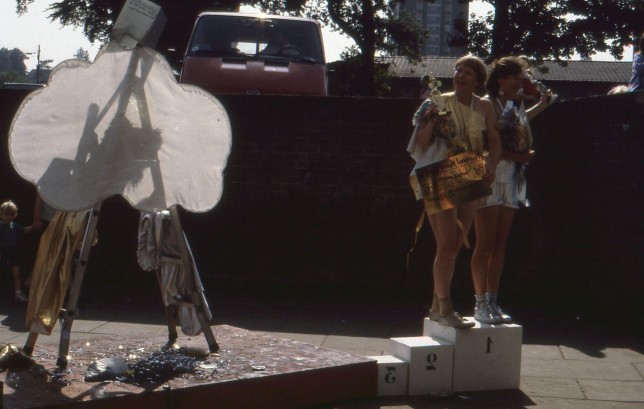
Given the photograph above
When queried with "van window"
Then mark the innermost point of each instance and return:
(239, 53)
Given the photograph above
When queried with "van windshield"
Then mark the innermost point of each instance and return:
(257, 38)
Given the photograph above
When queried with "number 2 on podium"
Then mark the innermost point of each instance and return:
(431, 360)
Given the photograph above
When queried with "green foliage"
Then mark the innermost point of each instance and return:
(11, 76)
(96, 18)
(46, 64)
(371, 24)
(556, 30)
(541, 29)
(82, 54)
(12, 65)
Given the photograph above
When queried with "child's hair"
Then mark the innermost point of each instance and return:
(8, 206)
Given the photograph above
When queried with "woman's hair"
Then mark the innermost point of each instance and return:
(502, 68)
(476, 64)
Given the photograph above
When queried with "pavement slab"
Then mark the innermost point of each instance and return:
(551, 387)
(603, 353)
(613, 390)
(579, 369)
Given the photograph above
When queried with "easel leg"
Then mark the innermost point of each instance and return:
(69, 313)
(186, 259)
(172, 325)
(170, 312)
(28, 349)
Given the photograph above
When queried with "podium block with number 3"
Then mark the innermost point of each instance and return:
(392, 375)
(486, 357)
(430, 364)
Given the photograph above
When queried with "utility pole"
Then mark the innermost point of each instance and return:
(37, 64)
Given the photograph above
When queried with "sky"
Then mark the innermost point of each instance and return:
(57, 43)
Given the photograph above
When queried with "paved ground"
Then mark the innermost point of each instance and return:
(567, 362)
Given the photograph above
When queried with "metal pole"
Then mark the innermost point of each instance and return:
(70, 311)
(186, 259)
(38, 66)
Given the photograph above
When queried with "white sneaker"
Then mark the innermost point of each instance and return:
(20, 296)
(505, 318)
(484, 313)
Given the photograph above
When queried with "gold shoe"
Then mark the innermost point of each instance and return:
(454, 320)
(434, 316)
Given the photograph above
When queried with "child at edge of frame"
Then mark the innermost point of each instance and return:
(10, 235)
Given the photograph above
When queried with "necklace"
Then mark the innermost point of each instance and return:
(500, 107)
(462, 123)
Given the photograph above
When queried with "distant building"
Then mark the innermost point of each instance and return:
(438, 19)
(575, 80)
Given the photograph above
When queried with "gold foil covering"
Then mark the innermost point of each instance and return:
(451, 182)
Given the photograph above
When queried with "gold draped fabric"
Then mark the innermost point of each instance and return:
(51, 275)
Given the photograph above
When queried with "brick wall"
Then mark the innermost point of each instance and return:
(316, 192)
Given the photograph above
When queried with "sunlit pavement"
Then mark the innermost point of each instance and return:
(567, 362)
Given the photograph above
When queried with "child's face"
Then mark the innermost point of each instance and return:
(7, 216)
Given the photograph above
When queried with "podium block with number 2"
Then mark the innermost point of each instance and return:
(486, 357)
(430, 364)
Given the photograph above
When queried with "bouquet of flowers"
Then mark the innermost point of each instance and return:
(513, 127)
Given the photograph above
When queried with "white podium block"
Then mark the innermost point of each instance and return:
(486, 357)
(392, 375)
(430, 364)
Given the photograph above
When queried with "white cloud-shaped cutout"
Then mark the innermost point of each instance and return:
(121, 126)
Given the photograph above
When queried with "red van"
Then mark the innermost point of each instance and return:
(255, 54)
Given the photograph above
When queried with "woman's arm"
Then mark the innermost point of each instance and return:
(516, 156)
(426, 131)
(544, 102)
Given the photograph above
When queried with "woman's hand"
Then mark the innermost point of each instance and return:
(431, 113)
(545, 95)
(426, 128)
(524, 157)
(545, 100)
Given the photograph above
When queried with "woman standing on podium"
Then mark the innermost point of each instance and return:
(466, 116)
(494, 218)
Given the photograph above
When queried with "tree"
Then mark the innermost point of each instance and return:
(370, 23)
(12, 65)
(96, 18)
(556, 30)
(82, 54)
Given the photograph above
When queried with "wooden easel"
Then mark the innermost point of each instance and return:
(69, 312)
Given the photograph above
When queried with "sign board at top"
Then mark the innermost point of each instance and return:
(140, 22)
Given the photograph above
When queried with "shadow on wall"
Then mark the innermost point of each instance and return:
(316, 195)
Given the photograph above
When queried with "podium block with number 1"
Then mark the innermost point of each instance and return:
(486, 357)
